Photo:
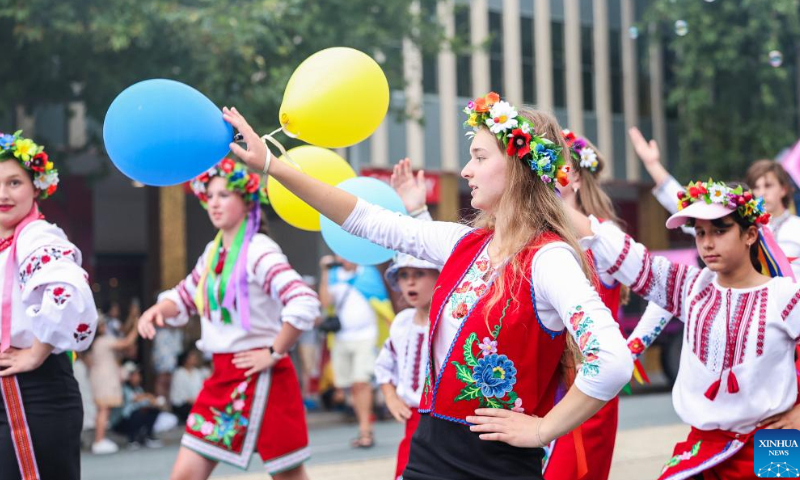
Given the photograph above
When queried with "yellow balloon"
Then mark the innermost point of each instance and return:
(336, 98)
(321, 164)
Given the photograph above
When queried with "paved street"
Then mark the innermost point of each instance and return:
(649, 428)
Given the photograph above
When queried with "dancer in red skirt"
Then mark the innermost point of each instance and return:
(253, 307)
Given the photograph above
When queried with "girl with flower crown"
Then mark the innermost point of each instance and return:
(253, 307)
(586, 454)
(737, 363)
(47, 311)
(487, 405)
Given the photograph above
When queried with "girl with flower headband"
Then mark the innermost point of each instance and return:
(487, 408)
(737, 364)
(253, 307)
(587, 452)
(47, 310)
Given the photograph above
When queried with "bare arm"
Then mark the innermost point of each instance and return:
(650, 156)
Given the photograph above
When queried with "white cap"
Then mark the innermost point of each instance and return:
(402, 260)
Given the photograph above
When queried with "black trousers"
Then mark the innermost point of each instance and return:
(54, 413)
(441, 449)
(139, 426)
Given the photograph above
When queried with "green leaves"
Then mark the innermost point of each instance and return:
(469, 358)
(470, 392)
(463, 373)
(730, 105)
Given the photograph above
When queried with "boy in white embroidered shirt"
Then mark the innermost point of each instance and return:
(400, 368)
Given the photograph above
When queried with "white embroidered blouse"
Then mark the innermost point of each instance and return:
(51, 298)
(608, 366)
(403, 358)
(277, 294)
(737, 363)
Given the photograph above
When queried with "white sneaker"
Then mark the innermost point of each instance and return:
(104, 447)
(153, 443)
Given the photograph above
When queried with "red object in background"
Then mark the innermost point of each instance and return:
(432, 184)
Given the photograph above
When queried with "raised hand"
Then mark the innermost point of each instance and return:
(255, 156)
(410, 188)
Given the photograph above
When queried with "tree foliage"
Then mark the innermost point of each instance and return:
(732, 106)
(237, 52)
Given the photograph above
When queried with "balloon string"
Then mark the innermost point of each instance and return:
(269, 138)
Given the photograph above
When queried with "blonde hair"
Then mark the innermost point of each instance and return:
(529, 209)
(593, 200)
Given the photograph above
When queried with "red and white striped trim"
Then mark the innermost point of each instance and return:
(20, 433)
(622, 256)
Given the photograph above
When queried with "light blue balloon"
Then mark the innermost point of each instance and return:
(162, 132)
(356, 249)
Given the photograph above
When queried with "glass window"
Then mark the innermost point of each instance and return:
(528, 61)
(559, 87)
(496, 51)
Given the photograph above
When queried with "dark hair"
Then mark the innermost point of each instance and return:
(763, 167)
(743, 226)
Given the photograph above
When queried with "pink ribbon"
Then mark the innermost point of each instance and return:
(237, 294)
(8, 282)
(777, 253)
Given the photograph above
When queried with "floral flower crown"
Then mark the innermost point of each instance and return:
(519, 137)
(742, 202)
(581, 152)
(239, 180)
(33, 158)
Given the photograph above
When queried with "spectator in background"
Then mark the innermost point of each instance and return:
(139, 410)
(113, 322)
(106, 381)
(187, 383)
(167, 345)
(354, 350)
(308, 353)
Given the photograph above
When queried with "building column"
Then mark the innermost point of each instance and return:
(479, 34)
(658, 113)
(448, 110)
(602, 87)
(379, 146)
(630, 87)
(574, 70)
(544, 55)
(512, 52)
(171, 236)
(412, 72)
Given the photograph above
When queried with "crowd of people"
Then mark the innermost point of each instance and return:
(496, 365)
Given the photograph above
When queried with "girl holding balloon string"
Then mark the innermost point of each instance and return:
(499, 317)
(47, 310)
(253, 306)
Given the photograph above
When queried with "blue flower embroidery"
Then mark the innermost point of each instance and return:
(495, 375)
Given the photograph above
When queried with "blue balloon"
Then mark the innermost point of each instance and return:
(356, 249)
(162, 132)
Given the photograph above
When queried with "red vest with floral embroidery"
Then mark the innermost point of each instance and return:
(510, 361)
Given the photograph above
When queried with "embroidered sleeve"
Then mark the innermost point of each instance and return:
(789, 297)
(386, 365)
(431, 241)
(655, 278)
(606, 365)
(279, 280)
(57, 297)
(183, 294)
(653, 321)
(667, 194)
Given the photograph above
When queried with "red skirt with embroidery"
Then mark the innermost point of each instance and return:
(235, 415)
(405, 444)
(598, 435)
(712, 454)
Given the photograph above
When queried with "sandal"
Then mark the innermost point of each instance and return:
(363, 441)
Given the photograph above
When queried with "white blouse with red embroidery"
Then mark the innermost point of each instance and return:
(51, 299)
(277, 294)
(737, 363)
(404, 357)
